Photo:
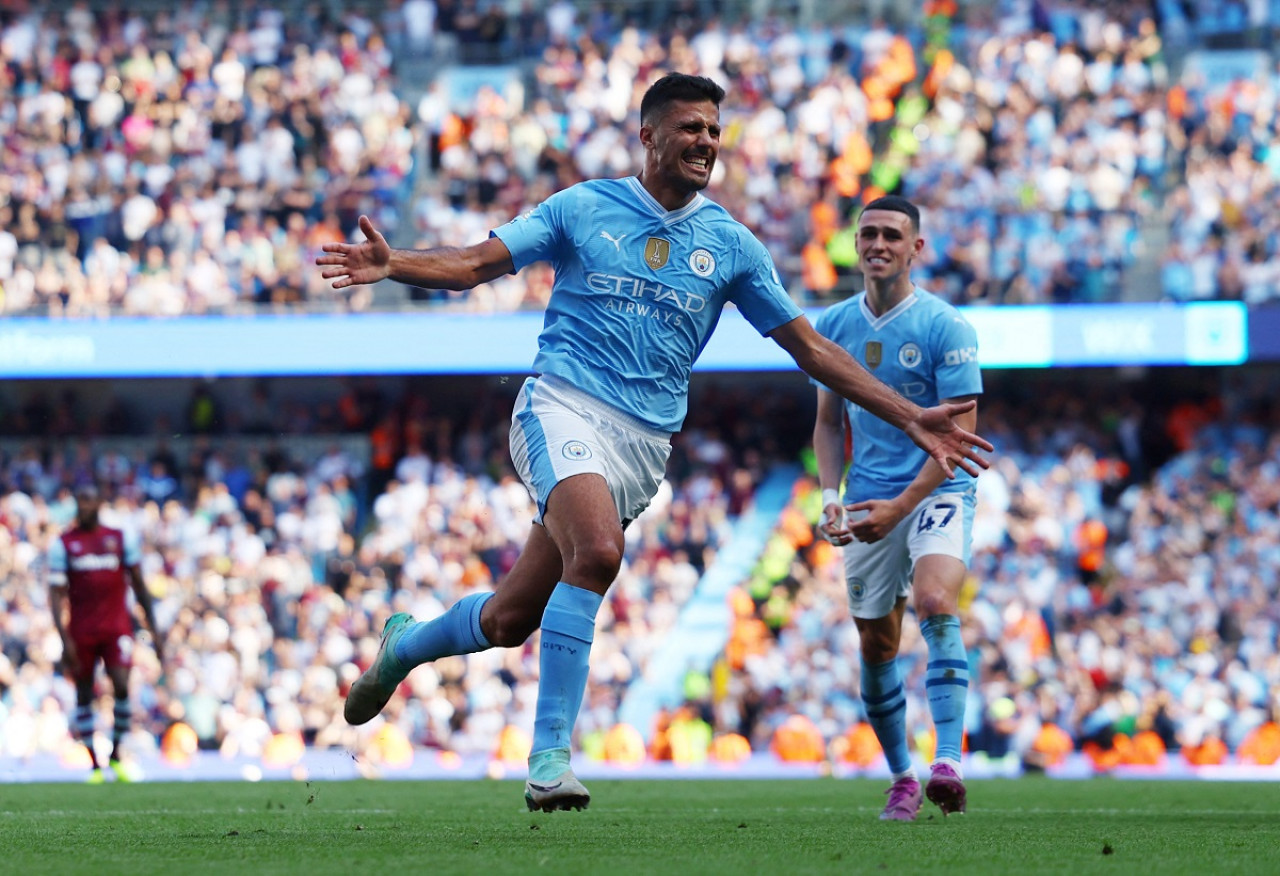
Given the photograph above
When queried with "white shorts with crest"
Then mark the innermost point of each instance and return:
(558, 431)
(879, 574)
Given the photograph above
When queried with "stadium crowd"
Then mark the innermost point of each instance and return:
(192, 161)
(1103, 602)
(1224, 235)
(189, 160)
(274, 572)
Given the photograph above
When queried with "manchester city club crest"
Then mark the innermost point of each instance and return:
(874, 353)
(702, 262)
(909, 356)
(656, 252)
(576, 450)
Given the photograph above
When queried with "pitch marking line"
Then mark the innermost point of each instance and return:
(1005, 811)
(240, 810)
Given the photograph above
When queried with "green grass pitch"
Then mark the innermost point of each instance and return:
(739, 827)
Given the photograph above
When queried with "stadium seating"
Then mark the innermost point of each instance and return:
(192, 162)
(188, 162)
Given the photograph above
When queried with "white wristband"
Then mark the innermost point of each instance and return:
(831, 497)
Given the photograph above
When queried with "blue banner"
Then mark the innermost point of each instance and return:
(425, 343)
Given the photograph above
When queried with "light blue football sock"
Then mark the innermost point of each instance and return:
(568, 628)
(946, 682)
(885, 701)
(549, 765)
(457, 631)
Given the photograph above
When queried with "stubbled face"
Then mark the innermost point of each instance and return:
(87, 504)
(887, 244)
(681, 148)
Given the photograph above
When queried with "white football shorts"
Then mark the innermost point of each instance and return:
(558, 431)
(879, 574)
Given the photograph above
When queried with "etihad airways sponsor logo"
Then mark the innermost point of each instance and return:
(633, 287)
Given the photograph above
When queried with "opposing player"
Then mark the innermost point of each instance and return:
(908, 525)
(643, 267)
(91, 569)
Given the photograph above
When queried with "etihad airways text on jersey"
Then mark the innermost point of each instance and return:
(635, 287)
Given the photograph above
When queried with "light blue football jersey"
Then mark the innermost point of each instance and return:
(925, 350)
(639, 289)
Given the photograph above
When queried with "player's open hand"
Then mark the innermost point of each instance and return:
(936, 431)
(834, 526)
(356, 264)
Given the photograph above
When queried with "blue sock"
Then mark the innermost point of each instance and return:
(946, 682)
(568, 627)
(457, 631)
(886, 705)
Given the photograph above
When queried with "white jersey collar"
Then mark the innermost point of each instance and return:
(668, 217)
(879, 322)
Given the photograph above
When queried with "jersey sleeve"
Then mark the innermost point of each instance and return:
(536, 235)
(758, 292)
(132, 548)
(56, 563)
(958, 370)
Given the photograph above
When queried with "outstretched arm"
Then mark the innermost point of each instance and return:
(884, 514)
(934, 429)
(354, 264)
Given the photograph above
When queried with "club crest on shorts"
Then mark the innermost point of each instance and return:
(857, 588)
(576, 450)
(909, 356)
(702, 262)
(656, 252)
(875, 352)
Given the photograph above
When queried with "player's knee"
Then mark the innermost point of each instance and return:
(879, 644)
(934, 602)
(594, 564)
(879, 637)
(510, 627)
(878, 649)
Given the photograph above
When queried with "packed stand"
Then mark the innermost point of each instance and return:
(1122, 582)
(1038, 138)
(194, 161)
(275, 560)
(1119, 604)
(190, 161)
(1040, 153)
(1223, 229)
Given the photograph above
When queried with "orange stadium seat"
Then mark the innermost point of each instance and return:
(1262, 745)
(798, 740)
(858, 746)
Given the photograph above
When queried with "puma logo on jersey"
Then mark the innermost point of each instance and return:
(616, 241)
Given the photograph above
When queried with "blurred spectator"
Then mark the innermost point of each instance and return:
(169, 163)
(188, 163)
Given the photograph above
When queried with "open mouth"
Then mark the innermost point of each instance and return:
(700, 163)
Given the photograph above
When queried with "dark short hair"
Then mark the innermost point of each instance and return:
(897, 204)
(677, 87)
